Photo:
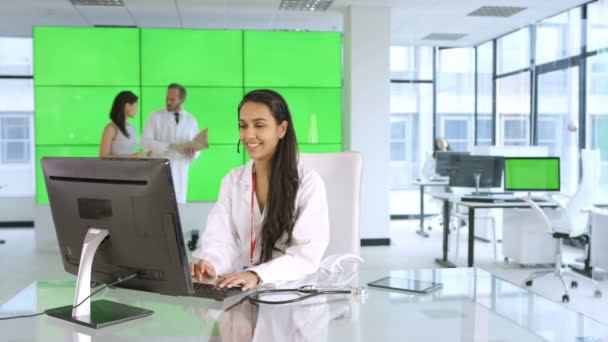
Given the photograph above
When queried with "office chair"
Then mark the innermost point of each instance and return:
(599, 236)
(574, 222)
(341, 173)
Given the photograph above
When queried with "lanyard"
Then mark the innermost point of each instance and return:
(252, 246)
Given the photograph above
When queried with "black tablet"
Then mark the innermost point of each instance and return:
(408, 285)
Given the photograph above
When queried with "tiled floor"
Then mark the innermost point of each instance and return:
(21, 265)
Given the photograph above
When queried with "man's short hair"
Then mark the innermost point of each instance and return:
(182, 90)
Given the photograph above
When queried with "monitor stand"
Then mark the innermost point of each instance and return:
(99, 313)
(477, 177)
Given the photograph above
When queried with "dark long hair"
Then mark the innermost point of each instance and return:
(117, 113)
(284, 180)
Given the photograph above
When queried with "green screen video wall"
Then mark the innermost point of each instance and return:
(78, 71)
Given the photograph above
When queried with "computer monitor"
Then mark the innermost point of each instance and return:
(442, 161)
(133, 202)
(465, 169)
(532, 174)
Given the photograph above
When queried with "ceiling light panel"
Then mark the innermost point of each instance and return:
(444, 36)
(305, 5)
(496, 11)
(97, 2)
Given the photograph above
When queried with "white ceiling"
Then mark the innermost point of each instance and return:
(410, 19)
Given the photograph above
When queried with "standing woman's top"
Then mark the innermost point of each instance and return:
(124, 145)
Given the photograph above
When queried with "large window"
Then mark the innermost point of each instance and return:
(513, 110)
(558, 111)
(597, 115)
(411, 112)
(15, 141)
(485, 80)
(559, 36)
(455, 97)
(513, 51)
(597, 25)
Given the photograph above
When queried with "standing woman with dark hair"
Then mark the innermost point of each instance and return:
(119, 139)
(270, 222)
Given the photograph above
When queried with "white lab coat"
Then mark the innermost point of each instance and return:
(159, 132)
(225, 243)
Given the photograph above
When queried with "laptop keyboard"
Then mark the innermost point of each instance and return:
(214, 292)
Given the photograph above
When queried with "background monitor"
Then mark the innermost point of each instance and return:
(134, 200)
(442, 161)
(532, 174)
(463, 169)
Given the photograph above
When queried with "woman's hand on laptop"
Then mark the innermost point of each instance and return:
(202, 272)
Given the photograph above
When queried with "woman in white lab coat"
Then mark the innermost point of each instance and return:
(270, 223)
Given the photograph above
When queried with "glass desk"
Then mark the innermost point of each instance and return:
(473, 305)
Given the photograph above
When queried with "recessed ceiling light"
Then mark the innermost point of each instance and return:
(444, 36)
(97, 2)
(305, 5)
(496, 11)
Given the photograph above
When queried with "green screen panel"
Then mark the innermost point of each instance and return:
(57, 151)
(192, 57)
(86, 56)
(530, 174)
(75, 115)
(320, 148)
(316, 113)
(215, 108)
(206, 173)
(292, 59)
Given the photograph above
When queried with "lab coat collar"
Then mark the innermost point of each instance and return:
(246, 177)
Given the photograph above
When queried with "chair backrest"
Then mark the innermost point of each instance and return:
(341, 173)
(583, 197)
(599, 252)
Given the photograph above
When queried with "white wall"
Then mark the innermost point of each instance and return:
(16, 193)
(17, 209)
(366, 119)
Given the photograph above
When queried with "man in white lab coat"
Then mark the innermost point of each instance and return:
(169, 126)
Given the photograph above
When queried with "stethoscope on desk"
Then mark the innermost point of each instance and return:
(303, 293)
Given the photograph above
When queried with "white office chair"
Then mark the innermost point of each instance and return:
(574, 221)
(599, 237)
(341, 173)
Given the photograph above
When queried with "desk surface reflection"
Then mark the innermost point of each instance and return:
(473, 305)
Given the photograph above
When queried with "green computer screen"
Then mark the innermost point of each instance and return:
(532, 174)
(86, 56)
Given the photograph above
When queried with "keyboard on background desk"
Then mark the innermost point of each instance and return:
(214, 292)
(501, 198)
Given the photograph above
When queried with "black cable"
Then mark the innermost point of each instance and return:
(120, 280)
(254, 296)
(23, 316)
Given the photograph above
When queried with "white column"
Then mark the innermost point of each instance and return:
(366, 123)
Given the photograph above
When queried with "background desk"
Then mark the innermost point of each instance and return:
(473, 305)
(471, 206)
(421, 185)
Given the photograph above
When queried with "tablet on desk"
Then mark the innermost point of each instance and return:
(408, 285)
